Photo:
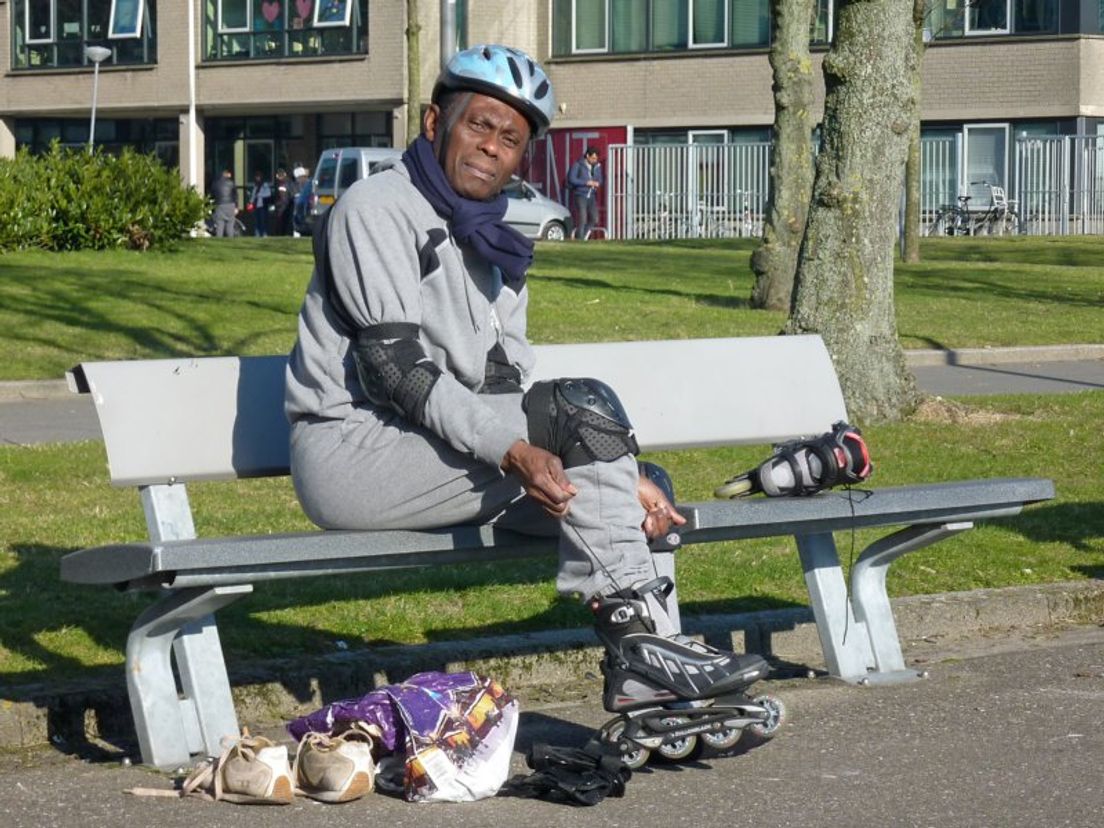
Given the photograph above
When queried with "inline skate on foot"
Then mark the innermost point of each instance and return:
(670, 691)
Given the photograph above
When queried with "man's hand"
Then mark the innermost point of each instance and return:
(659, 513)
(542, 476)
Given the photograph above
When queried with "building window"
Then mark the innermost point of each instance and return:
(52, 34)
(112, 135)
(619, 26)
(968, 18)
(709, 23)
(269, 30)
(590, 18)
(988, 17)
(126, 19)
(750, 23)
(823, 22)
(1036, 16)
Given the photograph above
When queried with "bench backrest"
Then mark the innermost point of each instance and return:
(219, 418)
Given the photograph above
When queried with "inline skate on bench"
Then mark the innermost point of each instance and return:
(839, 457)
(672, 693)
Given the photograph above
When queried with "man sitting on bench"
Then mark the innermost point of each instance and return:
(404, 390)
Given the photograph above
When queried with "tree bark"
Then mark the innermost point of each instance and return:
(844, 284)
(913, 165)
(791, 177)
(413, 71)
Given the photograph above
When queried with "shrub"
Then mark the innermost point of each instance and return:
(69, 199)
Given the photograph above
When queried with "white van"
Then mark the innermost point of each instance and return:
(338, 169)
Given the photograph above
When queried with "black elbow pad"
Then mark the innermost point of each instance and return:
(393, 368)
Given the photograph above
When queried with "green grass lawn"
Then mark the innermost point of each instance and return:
(240, 296)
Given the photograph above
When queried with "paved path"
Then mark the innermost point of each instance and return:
(1006, 732)
(47, 413)
(1011, 378)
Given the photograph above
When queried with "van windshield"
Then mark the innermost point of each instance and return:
(326, 172)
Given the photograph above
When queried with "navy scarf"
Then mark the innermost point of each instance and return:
(475, 223)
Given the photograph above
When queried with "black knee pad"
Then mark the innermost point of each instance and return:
(580, 420)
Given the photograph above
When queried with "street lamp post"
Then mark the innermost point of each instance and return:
(96, 54)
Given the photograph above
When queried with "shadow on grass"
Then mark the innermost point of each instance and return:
(1068, 251)
(1080, 525)
(714, 299)
(984, 286)
(90, 300)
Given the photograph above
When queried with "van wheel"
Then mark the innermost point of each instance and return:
(554, 231)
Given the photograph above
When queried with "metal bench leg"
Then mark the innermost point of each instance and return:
(170, 727)
(842, 636)
(871, 601)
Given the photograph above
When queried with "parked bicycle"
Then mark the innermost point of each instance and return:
(1001, 218)
(952, 219)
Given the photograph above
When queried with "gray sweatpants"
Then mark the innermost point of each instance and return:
(365, 472)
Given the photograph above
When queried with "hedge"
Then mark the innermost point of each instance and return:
(72, 199)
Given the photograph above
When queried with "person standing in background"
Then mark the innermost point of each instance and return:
(282, 203)
(260, 196)
(225, 195)
(584, 179)
(300, 202)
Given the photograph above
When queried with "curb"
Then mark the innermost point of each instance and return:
(26, 390)
(268, 693)
(999, 356)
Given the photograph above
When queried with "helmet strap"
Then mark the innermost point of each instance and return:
(457, 105)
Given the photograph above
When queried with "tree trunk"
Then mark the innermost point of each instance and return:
(413, 71)
(912, 166)
(791, 184)
(911, 252)
(844, 284)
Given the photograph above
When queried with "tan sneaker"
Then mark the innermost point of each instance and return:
(335, 769)
(252, 770)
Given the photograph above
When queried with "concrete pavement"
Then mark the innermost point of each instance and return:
(1006, 732)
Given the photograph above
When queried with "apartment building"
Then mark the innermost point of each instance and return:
(207, 84)
(256, 84)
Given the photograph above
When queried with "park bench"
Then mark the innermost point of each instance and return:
(168, 422)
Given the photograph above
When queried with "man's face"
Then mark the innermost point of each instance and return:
(592, 158)
(485, 145)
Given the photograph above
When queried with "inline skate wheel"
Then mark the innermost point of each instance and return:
(733, 488)
(634, 756)
(762, 732)
(679, 749)
(722, 739)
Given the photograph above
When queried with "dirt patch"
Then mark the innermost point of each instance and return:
(939, 410)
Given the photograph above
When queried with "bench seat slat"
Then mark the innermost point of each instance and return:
(246, 559)
(838, 509)
(221, 418)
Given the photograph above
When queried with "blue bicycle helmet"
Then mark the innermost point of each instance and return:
(504, 73)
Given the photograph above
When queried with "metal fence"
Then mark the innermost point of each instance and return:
(1056, 183)
(680, 191)
(1061, 184)
(686, 191)
(940, 174)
